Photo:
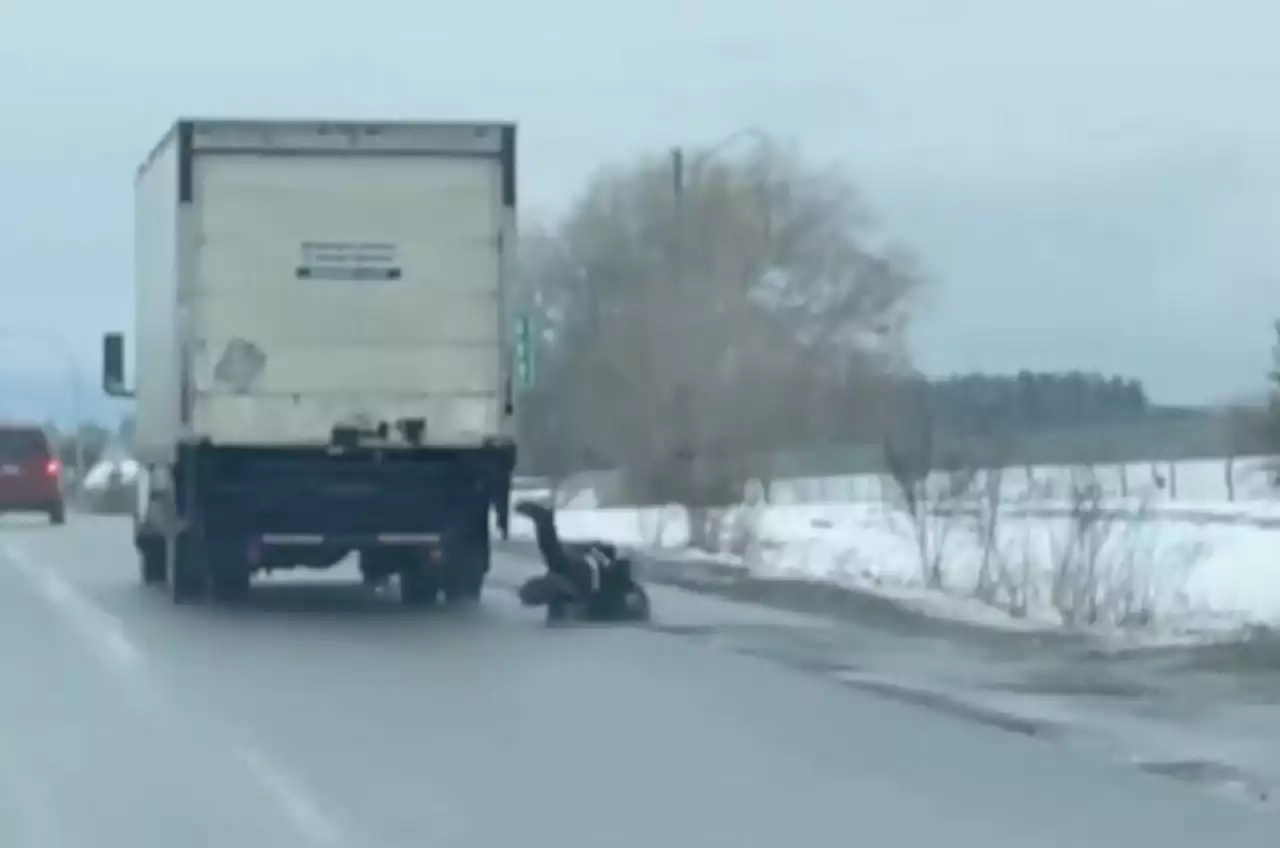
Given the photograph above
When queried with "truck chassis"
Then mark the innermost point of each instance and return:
(221, 514)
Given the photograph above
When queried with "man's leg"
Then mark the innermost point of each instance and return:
(618, 597)
(504, 519)
(546, 589)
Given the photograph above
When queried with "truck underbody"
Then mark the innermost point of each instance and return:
(420, 514)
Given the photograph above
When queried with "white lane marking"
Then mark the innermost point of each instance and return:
(296, 804)
(102, 631)
(38, 820)
(106, 635)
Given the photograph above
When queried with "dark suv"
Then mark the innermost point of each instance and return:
(30, 473)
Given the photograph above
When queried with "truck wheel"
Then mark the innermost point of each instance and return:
(468, 567)
(376, 566)
(151, 561)
(231, 586)
(464, 587)
(228, 567)
(418, 585)
(185, 564)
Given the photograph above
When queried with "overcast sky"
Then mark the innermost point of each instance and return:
(1093, 184)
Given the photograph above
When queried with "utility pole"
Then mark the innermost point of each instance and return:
(689, 421)
(684, 413)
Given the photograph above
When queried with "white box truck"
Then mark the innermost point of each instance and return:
(321, 360)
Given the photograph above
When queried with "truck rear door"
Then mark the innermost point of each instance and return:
(354, 287)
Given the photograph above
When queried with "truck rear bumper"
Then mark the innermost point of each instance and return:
(387, 539)
(310, 496)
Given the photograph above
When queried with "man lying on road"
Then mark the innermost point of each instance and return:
(588, 580)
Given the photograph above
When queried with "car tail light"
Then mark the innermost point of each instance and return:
(52, 467)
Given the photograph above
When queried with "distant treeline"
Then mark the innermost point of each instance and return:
(1027, 418)
(1031, 402)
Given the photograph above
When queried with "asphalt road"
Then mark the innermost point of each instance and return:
(322, 715)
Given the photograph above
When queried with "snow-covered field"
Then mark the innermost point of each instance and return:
(1205, 481)
(1196, 564)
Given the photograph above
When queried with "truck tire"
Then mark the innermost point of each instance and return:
(151, 566)
(467, 565)
(227, 561)
(377, 566)
(465, 585)
(185, 564)
(419, 585)
(230, 586)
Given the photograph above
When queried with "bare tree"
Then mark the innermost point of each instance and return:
(1077, 554)
(1106, 565)
(682, 358)
(933, 484)
(1242, 432)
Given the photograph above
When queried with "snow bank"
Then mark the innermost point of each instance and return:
(1164, 576)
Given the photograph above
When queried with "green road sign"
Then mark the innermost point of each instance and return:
(524, 351)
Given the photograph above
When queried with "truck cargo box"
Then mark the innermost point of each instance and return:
(294, 276)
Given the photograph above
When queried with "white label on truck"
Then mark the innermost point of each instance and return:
(349, 261)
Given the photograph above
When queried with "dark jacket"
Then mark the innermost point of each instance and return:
(569, 562)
